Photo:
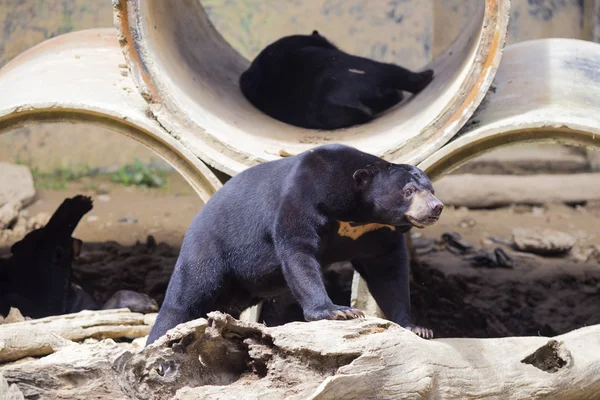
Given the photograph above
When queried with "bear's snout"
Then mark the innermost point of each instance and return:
(425, 209)
(436, 207)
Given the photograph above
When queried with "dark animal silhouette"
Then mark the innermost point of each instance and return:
(37, 279)
(273, 227)
(306, 81)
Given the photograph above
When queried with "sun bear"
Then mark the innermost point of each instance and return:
(272, 228)
(306, 81)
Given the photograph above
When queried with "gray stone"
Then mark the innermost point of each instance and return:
(16, 184)
(543, 241)
(9, 213)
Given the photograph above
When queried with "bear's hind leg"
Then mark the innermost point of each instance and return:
(384, 99)
(190, 295)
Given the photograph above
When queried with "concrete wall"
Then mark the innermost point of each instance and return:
(408, 32)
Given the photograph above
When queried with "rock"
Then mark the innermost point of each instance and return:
(538, 211)
(455, 243)
(103, 188)
(467, 223)
(136, 302)
(9, 212)
(37, 221)
(586, 253)
(496, 258)
(16, 184)
(499, 240)
(543, 241)
(20, 227)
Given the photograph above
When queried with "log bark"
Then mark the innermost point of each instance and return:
(222, 358)
(44, 336)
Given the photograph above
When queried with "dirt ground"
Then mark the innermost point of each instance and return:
(538, 296)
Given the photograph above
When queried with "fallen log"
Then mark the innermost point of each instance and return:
(222, 358)
(40, 337)
(487, 191)
(11, 392)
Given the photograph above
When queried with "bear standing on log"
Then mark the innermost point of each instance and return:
(274, 226)
(306, 81)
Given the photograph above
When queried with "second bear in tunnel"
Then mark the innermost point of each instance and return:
(306, 81)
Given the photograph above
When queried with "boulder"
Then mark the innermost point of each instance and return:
(16, 184)
(543, 241)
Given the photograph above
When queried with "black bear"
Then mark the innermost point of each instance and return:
(38, 278)
(306, 81)
(274, 226)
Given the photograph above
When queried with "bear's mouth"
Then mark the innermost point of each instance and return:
(422, 223)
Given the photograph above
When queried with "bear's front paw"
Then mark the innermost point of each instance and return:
(425, 333)
(335, 312)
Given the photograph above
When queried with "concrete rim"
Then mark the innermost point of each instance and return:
(555, 102)
(84, 83)
(188, 73)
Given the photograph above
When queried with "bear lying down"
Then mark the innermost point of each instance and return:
(274, 226)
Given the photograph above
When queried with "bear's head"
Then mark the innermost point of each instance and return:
(399, 195)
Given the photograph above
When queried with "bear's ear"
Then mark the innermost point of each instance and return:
(362, 177)
(316, 33)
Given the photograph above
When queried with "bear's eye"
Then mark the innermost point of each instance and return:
(409, 192)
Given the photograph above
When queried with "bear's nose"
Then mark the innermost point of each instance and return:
(437, 208)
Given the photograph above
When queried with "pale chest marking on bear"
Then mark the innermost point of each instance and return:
(354, 232)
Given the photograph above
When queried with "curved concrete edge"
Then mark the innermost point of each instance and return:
(487, 55)
(82, 77)
(202, 101)
(475, 144)
(545, 90)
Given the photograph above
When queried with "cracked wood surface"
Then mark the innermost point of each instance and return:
(40, 337)
(222, 358)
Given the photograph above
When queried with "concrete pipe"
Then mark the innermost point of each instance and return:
(189, 75)
(82, 77)
(546, 90)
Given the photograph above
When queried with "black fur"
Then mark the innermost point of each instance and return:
(272, 227)
(306, 81)
(38, 277)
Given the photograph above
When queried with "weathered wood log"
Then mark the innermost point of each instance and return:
(44, 336)
(222, 358)
(9, 392)
(483, 191)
